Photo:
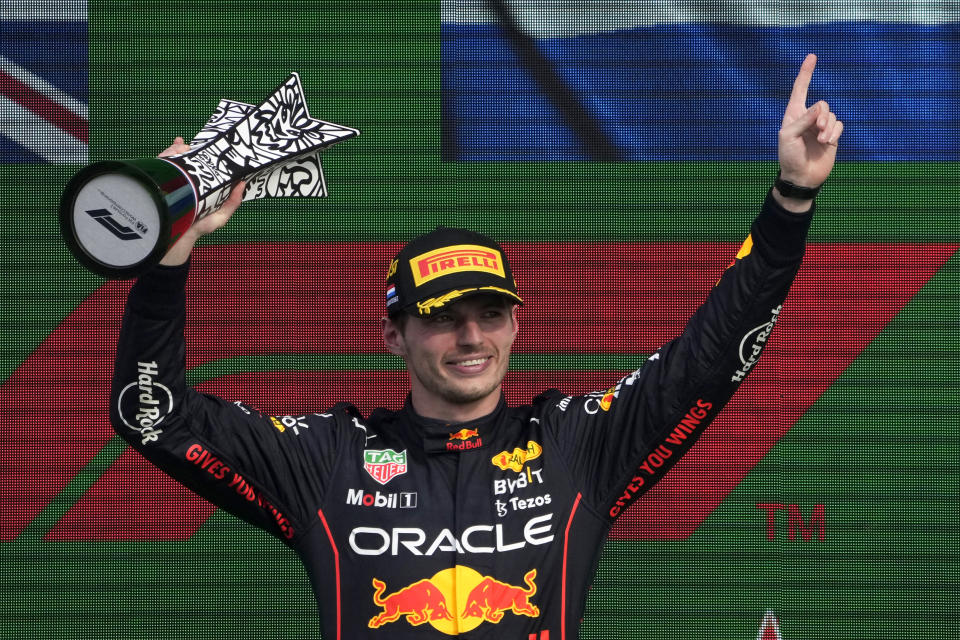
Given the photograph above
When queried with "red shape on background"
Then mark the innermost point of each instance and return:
(769, 628)
(328, 298)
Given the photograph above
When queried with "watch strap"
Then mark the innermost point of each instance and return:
(790, 190)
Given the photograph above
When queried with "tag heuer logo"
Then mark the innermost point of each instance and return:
(384, 464)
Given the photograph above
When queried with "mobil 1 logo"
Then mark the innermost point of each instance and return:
(400, 500)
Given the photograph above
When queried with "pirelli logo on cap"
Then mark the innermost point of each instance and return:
(456, 259)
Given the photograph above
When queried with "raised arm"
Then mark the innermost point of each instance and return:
(621, 441)
(241, 460)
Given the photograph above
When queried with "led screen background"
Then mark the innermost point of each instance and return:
(827, 492)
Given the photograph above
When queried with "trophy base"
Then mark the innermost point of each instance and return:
(119, 217)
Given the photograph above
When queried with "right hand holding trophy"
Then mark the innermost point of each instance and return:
(119, 217)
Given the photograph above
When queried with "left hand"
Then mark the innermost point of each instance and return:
(808, 138)
(181, 249)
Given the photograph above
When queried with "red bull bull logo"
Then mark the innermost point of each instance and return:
(464, 434)
(466, 440)
(491, 599)
(455, 600)
(420, 602)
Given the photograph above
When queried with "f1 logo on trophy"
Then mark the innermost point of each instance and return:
(119, 217)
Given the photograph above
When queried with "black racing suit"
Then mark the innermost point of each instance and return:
(413, 528)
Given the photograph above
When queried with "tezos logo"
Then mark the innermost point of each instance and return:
(144, 404)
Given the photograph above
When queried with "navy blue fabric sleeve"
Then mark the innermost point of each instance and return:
(268, 470)
(664, 406)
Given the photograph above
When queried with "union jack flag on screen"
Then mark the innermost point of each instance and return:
(43, 82)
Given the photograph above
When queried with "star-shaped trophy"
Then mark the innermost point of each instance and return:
(119, 217)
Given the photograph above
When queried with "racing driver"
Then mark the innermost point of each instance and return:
(489, 519)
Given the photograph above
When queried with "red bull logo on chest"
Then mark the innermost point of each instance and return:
(464, 434)
(420, 602)
(455, 600)
(466, 439)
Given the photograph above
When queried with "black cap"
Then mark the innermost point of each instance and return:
(440, 267)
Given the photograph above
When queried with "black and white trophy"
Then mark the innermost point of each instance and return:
(119, 217)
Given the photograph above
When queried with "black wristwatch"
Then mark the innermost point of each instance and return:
(789, 190)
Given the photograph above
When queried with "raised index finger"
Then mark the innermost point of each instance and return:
(802, 83)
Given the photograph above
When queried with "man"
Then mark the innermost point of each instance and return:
(459, 514)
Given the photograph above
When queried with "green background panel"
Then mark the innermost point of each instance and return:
(879, 450)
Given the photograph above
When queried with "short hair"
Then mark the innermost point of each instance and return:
(399, 319)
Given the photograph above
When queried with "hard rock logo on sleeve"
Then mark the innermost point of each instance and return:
(752, 344)
(144, 403)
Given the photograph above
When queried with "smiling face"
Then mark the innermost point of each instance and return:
(456, 358)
